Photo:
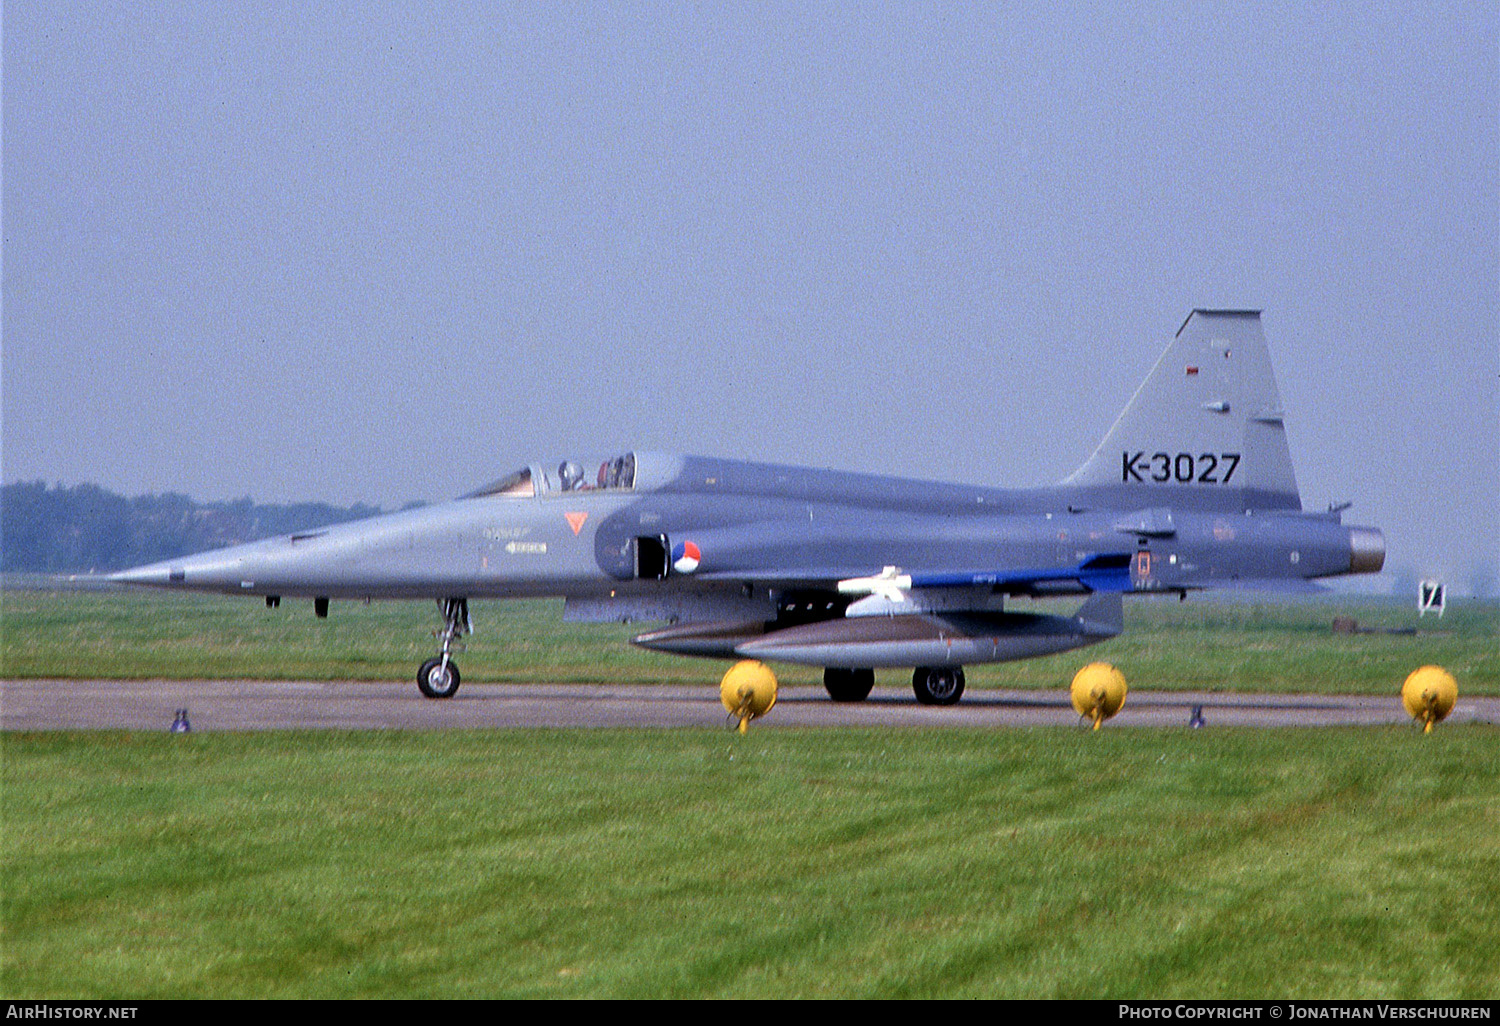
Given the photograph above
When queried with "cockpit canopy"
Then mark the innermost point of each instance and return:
(568, 475)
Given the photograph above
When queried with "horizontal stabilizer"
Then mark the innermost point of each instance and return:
(1272, 586)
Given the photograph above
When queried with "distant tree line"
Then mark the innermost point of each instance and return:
(73, 530)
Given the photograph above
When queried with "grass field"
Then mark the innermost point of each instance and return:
(1200, 644)
(854, 863)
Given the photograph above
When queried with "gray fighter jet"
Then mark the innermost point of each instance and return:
(1192, 488)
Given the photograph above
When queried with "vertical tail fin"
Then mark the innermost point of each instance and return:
(1205, 429)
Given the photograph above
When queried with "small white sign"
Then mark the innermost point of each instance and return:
(1431, 595)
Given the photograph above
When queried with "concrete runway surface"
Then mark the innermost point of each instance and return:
(286, 705)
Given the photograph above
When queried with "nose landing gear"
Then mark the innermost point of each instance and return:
(438, 677)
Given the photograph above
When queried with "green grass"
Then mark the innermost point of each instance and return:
(1355, 863)
(1199, 644)
(900, 863)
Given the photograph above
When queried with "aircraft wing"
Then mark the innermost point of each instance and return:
(1109, 572)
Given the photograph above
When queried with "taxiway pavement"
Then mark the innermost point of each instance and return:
(316, 705)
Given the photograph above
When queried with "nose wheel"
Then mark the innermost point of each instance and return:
(438, 677)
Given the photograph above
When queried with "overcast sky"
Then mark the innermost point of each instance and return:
(357, 253)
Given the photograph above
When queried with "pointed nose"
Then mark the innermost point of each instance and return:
(220, 570)
(158, 575)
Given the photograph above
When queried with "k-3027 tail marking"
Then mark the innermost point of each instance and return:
(1182, 467)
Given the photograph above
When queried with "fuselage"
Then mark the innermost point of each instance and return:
(773, 529)
(1191, 488)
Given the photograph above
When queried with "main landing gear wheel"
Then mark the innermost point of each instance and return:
(938, 685)
(438, 678)
(848, 685)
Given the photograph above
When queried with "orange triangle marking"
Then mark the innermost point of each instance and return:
(575, 520)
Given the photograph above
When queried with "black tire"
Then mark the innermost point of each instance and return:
(434, 683)
(848, 685)
(938, 685)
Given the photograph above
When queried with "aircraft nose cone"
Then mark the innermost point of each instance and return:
(222, 570)
(160, 575)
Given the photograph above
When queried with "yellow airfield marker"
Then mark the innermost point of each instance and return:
(1098, 692)
(748, 691)
(1429, 694)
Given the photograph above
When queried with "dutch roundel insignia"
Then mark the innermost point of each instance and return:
(685, 556)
